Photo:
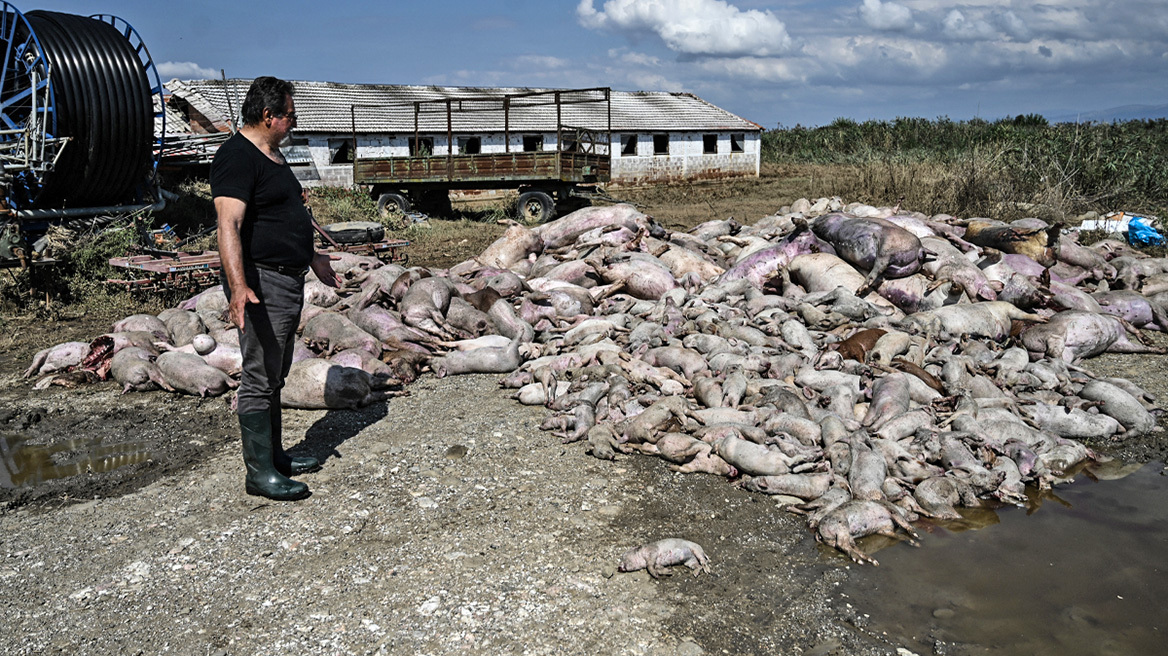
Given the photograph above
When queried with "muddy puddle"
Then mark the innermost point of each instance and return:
(1082, 570)
(24, 464)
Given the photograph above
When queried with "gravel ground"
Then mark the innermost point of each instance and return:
(443, 522)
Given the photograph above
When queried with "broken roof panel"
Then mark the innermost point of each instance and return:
(370, 108)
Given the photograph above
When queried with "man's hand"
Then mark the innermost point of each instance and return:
(324, 270)
(239, 300)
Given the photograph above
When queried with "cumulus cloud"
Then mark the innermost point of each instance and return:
(185, 71)
(956, 26)
(693, 27)
(1013, 26)
(886, 15)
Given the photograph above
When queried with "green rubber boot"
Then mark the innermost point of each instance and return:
(286, 464)
(262, 477)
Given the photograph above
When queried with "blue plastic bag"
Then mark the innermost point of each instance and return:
(1142, 234)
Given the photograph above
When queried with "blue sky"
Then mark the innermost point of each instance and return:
(772, 62)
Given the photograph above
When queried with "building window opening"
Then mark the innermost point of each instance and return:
(421, 146)
(629, 145)
(661, 144)
(470, 145)
(340, 151)
(710, 144)
(737, 143)
(532, 143)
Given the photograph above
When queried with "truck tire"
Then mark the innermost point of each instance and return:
(389, 201)
(355, 232)
(535, 207)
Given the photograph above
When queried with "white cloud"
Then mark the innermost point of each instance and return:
(957, 26)
(1013, 26)
(540, 61)
(886, 15)
(185, 71)
(693, 27)
(637, 58)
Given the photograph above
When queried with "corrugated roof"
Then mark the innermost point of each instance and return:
(334, 107)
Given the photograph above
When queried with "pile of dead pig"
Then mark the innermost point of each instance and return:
(873, 365)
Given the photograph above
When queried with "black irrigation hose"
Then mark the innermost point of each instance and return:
(103, 104)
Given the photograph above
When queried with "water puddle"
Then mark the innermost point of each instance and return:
(1082, 570)
(23, 464)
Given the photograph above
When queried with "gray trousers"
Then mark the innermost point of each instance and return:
(269, 337)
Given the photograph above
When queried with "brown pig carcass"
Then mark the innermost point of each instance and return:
(1037, 243)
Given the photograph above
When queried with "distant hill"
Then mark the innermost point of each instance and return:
(1124, 113)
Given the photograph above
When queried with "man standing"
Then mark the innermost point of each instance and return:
(265, 244)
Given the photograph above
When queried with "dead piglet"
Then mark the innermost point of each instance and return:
(182, 325)
(1133, 307)
(687, 455)
(1012, 489)
(573, 425)
(317, 384)
(366, 361)
(387, 325)
(890, 399)
(603, 442)
(224, 357)
(949, 263)
(57, 358)
(664, 415)
(817, 509)
(990, 319)
(859, 518)
(465, 317)
(859, 344)
(508, 324)
(760, 266)
(424, 307)
(686, 362)
(188, 373)
(1120, 404)
(134, 369)
(329, 332)
(805, 486)
(1073, 334)
(956, 456)
(876, 245)
(640, 278)
(867, 470)
(937, 496)
(145, 322)
(1072, 422)
(753, 459)
(479, 361)
(515, 245)
(657, 556)
(565, 230)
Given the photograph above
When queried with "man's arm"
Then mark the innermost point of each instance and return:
(230, 213)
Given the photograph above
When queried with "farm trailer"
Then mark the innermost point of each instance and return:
(549, 182)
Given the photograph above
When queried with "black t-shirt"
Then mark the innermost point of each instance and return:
(277, 229)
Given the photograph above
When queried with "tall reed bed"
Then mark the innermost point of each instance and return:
(1005, 168)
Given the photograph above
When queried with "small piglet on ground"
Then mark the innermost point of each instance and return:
(657, 556)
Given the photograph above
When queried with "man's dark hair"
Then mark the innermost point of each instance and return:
(266, 92)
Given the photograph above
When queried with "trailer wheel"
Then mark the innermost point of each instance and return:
(535, 207)
(390, 201)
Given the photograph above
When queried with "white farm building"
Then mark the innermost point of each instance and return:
(646, 137)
